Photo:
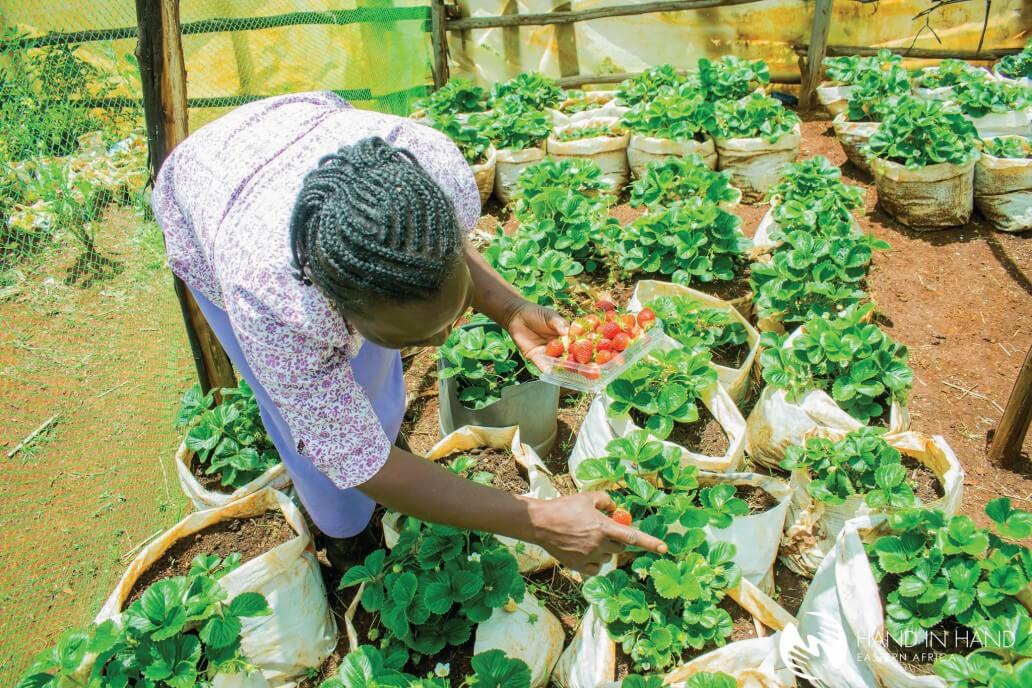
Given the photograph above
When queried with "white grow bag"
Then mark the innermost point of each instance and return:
(853, 135)
(756, 165)
(202, 498)
(484, 174)
(643, 150)
(299, 634)
(734, 380)
(609, 152)
(813, 527)
(834, 97)
(1012, 123)
(509, 164)
(1003, 192)
(932, 197)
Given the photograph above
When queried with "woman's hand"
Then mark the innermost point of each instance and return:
(577, 531)
(532, 327)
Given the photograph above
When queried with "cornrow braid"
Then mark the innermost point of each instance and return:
(369, 221)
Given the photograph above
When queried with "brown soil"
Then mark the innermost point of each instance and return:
(790, 588)
(248, 537)
(624, 664)
(573, 406)
(729, 290)
(212, 483)
(743, 627)
(508, 475)
(421, 425)
(758, 499)
(705, 436)
(731, 356)
(561, 595)
(925, 482)
(563, 483)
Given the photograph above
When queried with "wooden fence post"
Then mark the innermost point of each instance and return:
(439, 42)
(1010, 432)
(815, 55)
(163, 80)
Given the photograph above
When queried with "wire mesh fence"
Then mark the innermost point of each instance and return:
(93, 355)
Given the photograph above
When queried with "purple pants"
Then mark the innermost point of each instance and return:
(338, 513)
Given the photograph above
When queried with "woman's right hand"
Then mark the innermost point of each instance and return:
(578, 532)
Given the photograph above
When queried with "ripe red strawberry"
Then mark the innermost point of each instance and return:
(555, 348)
(627, 321)
(621, 516)
(610, 316)
(591, 371)
(634, 332)
(604, 344)
(610, 330)
(646, 315)
(621, 341)
(591, 320)
(577, 329)
(603, 356)
(605, 305)
(583, 350)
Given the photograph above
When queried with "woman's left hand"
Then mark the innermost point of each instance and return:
(532, 327)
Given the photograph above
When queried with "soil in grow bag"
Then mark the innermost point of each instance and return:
(506, 474)
(759, 500)
(211, 482)
(248, 537)
(789, 588)
(728, 290)
(705, 436)
(562, 596)
(926, 484)
(732, 356)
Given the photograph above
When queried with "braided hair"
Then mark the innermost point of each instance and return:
(370, 222)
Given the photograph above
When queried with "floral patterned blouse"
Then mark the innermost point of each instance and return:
(224, 198)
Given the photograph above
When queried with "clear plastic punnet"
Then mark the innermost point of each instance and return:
(594, 377)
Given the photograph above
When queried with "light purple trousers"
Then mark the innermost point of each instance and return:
(338, 513)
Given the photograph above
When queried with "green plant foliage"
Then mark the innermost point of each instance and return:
(666, 387)
(850, 70)
(754, 116)
(678, 115)
(576, 133)
(691, 324)
(551, 178)
(458, 96)
(179, 633)
(875, 93)
(981, 97)
(467, 137)
(861, 463)
(434, 585)
(651, 83)
(811, 276)
(533, 89)
(731, 77)
(228, 439)
(1018, 66)
(1008, 147)
(695, 240)
(986, 668)
(949, 73)
(368, 667)
(675, 179)
(484, 360)
(860, 366)
(934, 568)
(810, 196)
(542, 276)
(513, 125)
(917, 133)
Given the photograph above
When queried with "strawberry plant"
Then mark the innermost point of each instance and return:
(651, 83)
(367, 667)
(692, 324)
(995, 667)
(675, 179)
(589, 131)
(703, 679)
(513, 125)
(664, 389)
(228, 439)
(755, 116)
(458, 96)
(534, 90)
(860, 366)
(731, 77)
(435, 585)
(552, 178)
(468, 138)
(179, 633)
(861, 463)
(850, 70)
(917, 133)
(874, 93)
(578, 101)
(540, 275)
(678, 115)
(949, 73)
(810, 275)
(695, 240)
(1017, 66)
(980, 97)
(1008, 147)
(484, 361)
(811, 196)
(933, 569)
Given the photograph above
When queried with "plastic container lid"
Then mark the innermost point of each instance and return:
(594, 377)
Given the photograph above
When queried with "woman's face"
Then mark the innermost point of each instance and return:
(417, 323)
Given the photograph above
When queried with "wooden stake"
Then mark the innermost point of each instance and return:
(815, 55)
(987, 55)
(159, 54)
(1010, 432)
(439, 42)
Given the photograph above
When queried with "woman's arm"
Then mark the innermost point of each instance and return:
(572, 528)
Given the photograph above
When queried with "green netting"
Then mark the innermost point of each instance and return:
(92, 347)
